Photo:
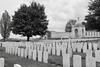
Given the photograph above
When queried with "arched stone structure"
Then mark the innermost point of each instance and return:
(78, 31)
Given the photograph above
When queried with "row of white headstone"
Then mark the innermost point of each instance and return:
(96, 54)
(41, 50)
(27, 52)
(68, 47)
(77, 61)
(56, 48)
(72, 40)
(2, 63)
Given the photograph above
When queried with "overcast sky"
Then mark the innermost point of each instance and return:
(58, 11)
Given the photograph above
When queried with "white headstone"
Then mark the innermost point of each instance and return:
(58, 50)
(70, 50)
(49, 50)
(25, 53)
(17, 65)
(85, 48)
(94, 46)
(66, 60)
(63, 49)
(45, 57)
(89, 53)
(19, 52)
(90, 61)
(53, 51)
(79, 47)
(34, 54)
(39, 55)
(2, 61)
(88, 64)
(90, 46)
(97, 55)
(16, 51)
(10, 50)
(30, 54)
(74, 47)
(22, 52)
(6, 49)
(93, 64)
(77, 61)
(13, 50)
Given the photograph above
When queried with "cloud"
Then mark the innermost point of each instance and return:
(11, 5)
(60, 11)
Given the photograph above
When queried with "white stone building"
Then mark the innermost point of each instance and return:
(78, 31)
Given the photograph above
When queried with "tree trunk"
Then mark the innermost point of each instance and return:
(4, 39)
(28, 38)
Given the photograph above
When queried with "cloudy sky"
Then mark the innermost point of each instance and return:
(58, 11)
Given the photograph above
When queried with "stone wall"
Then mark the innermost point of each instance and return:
(60, 34)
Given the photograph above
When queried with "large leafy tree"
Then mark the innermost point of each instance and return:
(30, 20)
(5, 25)
(69, 25)
(93, 18)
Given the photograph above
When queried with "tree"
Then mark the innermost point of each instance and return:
(93, 18)
(69, 25)
(30, 20)
(5, 25)
(83, 23)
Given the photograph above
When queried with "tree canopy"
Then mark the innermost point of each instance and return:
(93, 18)
(69, 25)
(5, 25)
(30, 20)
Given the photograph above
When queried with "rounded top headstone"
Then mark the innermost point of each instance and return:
(17, 65)
(1, 59)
